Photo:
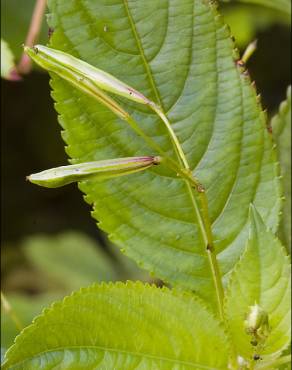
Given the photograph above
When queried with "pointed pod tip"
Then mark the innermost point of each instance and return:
(157, 160)
(253, 213)
(32, 179)
(251, 208)
(30, 50)
(255, 219)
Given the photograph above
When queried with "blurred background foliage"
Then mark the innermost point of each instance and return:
(41, 260)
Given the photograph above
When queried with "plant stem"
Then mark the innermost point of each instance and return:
(10, 312)
(202, 215)
(24, 66)
(204, 221)
(191, 182)
(176, 144)
(212, 254)
(168, 161)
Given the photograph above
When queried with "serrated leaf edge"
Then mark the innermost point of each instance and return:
(237, 267)
(104, 286)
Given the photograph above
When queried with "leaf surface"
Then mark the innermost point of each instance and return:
(212, 109)
(261, 277)
(120, 326)
(281, 125)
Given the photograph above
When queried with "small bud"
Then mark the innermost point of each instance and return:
(242, 362)
(100, 170)
(249, 51)
(257, 324)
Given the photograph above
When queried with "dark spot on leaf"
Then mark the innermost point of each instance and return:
(256, 357)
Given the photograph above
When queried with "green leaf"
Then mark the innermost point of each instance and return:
(261, 277)
(120, 326)
(281, 5)
(281, 126)
(8, 70)
(213, 110)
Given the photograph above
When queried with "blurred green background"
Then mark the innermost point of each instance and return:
(38, 265)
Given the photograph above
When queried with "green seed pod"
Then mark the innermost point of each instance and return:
(83, 75)
(61, 64)
(100, 170)
(95, 83)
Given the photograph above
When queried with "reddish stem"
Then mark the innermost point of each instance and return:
(25, 64)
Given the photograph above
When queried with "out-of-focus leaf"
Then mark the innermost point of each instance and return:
(61, 264)
(72, 259)
(8, 70)
(245, 20)
(26, 308)
(281, 126)
(276, 5)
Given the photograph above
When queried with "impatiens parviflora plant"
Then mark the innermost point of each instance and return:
(199, 114)
(251, 333)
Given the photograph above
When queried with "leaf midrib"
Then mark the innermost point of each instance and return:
(150, 76)
(141, 50)
(114, 350)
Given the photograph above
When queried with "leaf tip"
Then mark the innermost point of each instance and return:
(255, 219)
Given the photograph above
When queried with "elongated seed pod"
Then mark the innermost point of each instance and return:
(100, 170)
(49, 59)
(64, 64)
(95, 82)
